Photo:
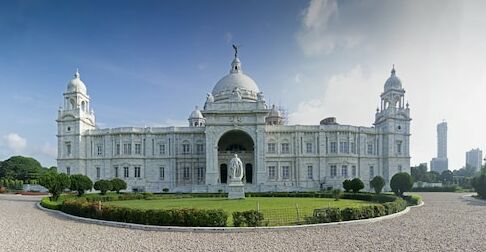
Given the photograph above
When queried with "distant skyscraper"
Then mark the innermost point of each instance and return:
(474, 158)
(441, 163)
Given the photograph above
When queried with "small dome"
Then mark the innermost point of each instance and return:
(76, 84)
(196, 114)
(393, 82)
(235, 80)
(274, 112)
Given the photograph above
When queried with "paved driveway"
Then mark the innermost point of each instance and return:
(446, 222)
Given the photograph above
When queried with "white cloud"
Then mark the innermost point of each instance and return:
(342, 98)
(15, 143)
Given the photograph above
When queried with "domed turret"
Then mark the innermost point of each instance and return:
(393, 82)
(196, 119)
(274, 117)
(76, 85)
(236, 85)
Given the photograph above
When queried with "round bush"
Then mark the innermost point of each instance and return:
(80, 183)
(401, 182)
(347, 185)
(118, 185)
(377, 183)
(103, 186)
(356, 185)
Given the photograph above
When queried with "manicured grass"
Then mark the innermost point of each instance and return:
(276, 210)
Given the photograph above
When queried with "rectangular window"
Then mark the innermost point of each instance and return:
(126, 173)
(310, 171)
(186, 173)
(161, 149)
(138, 149)
(98, 172)
(344, 147)
(399, 147)
(353, 147)
(137, 172)
(333, 171)
(370, 149)
(333, 147)
(285, 148)
(116, 172)
(161, 173)
(68, 170)
(68, 148)
(127, 149)
(344, 171)
(99, 150)
(200, 174)
(308, 147)
(117, 152)
(372, 172)
(353, 171)
(199, 148)
(186, 149)
(271, 172)
(285, 172)
(271, 148)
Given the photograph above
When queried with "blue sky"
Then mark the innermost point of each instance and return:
(150, 62)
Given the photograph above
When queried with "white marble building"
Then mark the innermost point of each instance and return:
(235, 119)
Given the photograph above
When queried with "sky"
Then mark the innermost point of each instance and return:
(149, 63)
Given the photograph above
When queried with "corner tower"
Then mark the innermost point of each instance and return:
(75, 117)
(392, 121)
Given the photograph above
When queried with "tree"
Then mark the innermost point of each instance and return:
(80, 183)
(356, 185)
(22, 168)
(118, 184)
(347, 185)
(336, 194)
(377, 183)
(419, 173)
(401, 182)
(103, 186)
(55, 183)
(446, 177)
(479, 184)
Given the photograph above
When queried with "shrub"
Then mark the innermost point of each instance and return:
(325, 215)
(479, 185)
(47, 203)
(103, 186)
(377, 183)
(80, 183)
(336, 194)
(118, 185)
(356, 185)
(347, 185)
(401, 182)
(166, 190)
(452, 188)
(250, 218)
(55, 183)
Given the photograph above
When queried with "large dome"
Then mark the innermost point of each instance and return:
(393, 82)
(236, 80)
(76, 84)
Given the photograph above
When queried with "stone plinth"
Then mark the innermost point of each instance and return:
(236, 190)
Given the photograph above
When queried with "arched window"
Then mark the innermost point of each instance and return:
(83, 106)
(73, 104)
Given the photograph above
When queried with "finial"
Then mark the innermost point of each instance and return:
(377, 109)
(76, 75)
(196, 108)
(393, 69)
(236, 47)
(407, 104)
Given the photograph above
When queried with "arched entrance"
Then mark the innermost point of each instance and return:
(236, 142)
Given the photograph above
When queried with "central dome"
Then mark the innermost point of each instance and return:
(235, 80)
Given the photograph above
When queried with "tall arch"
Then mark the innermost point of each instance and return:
(236, 142)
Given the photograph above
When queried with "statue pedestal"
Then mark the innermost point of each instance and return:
(236, 190)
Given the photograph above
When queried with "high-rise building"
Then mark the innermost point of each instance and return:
(441, 163)
(474, 158)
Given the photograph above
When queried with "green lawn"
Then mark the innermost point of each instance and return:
(278, 211)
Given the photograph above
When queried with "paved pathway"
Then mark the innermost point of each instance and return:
(445, 223)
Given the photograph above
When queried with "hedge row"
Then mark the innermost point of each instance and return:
(47, 203)
(333, 214)
(250, 218)
(380, 198)
(435, 189)
(160, 217)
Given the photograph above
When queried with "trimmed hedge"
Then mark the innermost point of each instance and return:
(435, 189)
(334, 214)
(160, 217)
(47, 203)
(250, 218)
